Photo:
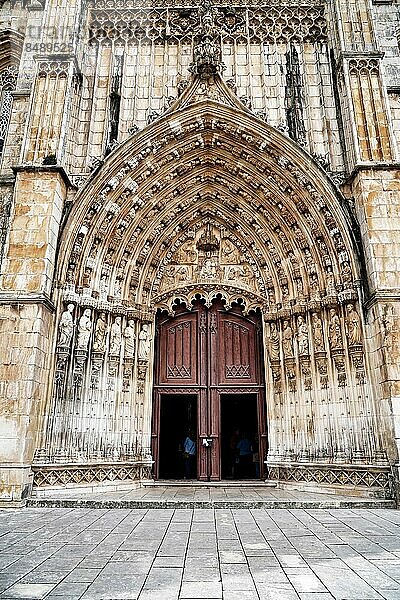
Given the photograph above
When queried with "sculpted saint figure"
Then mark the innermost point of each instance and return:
(302, 335)
(229, 252)
(273, 342)
(144, 343)
(130, 339)
(346, 273)
(287, 336)
(334, 330)
(115, 337)
(66, 327)
(318, 333)
(103, 287)
(84, 330)
(99, 342)
(209, 270)
(353, 326)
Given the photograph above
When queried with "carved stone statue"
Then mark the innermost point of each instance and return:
(353, 326)
(84, 330)
(103, 287)
(287, 338)
(186, 253)
(66, 327)
(181, 274)
(318, 333)
(209, 269)
(330, 282)
(100, 331)
(144, 343)
(345, 272)
(130, 339)
(229, 252)
(115, 337)
(248, 275)
(334, 330)
(273, 342)
(302, 336)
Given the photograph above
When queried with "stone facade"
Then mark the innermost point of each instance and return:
(151, 151)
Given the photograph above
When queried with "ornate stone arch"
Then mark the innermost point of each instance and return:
(210, 182)
(209, 153)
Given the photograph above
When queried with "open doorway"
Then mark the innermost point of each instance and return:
(240, 455)
(178, 419)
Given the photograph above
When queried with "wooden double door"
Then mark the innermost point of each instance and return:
(209, 382)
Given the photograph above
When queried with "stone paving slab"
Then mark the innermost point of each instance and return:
(194, 554)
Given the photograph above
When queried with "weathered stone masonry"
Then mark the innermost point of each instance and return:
(130, 132)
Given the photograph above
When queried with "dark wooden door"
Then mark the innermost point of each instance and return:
(208, 353)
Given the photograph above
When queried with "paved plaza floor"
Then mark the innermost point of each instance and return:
(170, 554)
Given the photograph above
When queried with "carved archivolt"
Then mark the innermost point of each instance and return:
(207, 162)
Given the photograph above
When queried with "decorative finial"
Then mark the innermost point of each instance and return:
(207, 52)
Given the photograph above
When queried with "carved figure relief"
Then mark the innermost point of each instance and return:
(144, 343)
(100, 332)
(208, 257)
(116, 337)
(229, 253)
(318, 334)
(66, 327)
(287, 339)
(130, 340)
(84, 330)
(353, 326)
(302, 336)
(334, 330)
(273, 342)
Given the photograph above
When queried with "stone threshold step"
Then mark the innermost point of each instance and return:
(193, 483)
(211, 504)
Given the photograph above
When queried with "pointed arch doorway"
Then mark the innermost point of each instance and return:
(209, 381)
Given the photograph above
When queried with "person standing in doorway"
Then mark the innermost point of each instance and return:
(189, 455)
(245, 456)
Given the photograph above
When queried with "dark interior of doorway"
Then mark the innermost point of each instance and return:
(239, 431)
(178, 416)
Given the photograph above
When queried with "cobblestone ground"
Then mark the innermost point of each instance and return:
(169, 554)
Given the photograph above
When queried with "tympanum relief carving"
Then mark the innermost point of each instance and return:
(209, 256)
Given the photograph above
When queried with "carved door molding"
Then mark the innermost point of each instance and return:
(208, 352)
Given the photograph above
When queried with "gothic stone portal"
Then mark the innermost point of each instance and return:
(214, 355)
(224, 204)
